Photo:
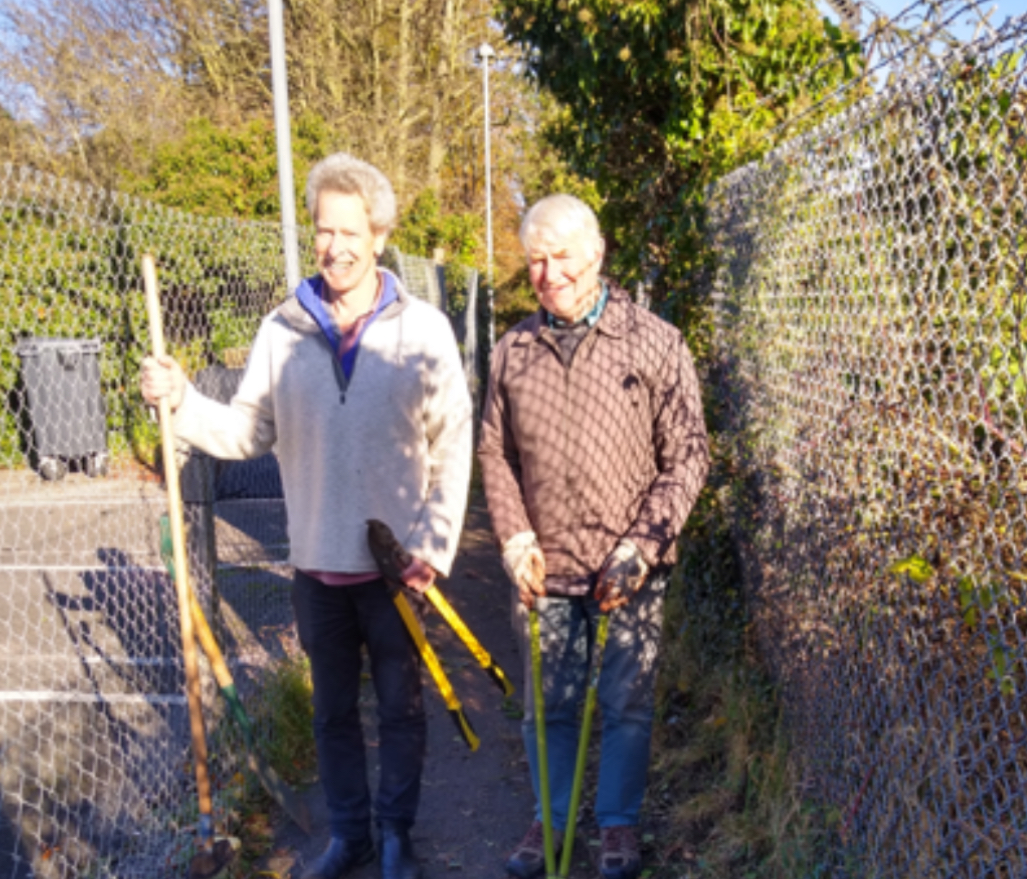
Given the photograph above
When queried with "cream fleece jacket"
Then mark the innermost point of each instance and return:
(398, 449)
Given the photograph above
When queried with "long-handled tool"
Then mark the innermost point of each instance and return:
(586, 733)
(485, 660)
(212, 857)
(279, 791)
(538, 698)
(456, 710)
(392, 559)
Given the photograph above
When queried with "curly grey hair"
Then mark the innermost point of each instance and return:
(341, 172)
(563, 215)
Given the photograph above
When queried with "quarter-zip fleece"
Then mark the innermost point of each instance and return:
(309, 294)
(399, 450)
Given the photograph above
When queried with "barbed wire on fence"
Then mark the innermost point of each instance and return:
(871, 317)
(94, 760)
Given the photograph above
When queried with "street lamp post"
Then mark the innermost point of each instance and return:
(486, 52)
(283, 142)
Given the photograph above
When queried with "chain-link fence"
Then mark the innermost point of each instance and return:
(871, 314)
(95, 775)
(454, 289)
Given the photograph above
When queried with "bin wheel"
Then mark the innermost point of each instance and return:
(52, 469)
(97, 465)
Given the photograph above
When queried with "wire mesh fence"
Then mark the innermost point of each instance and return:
(872, 345)
(95, 774)
(454, 289)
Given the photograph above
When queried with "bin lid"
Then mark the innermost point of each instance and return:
(32, 346)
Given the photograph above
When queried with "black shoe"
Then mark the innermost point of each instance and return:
(341, 856)
(396, 854)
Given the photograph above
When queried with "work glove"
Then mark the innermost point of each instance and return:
(525, 566)
(621, 576)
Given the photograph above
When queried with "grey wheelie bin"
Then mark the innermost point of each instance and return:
(64, 407)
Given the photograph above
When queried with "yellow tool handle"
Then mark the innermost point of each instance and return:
(539, 708)
(440, 603)
(435, 669)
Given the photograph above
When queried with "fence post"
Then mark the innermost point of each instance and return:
(439, 260)
(197, 481)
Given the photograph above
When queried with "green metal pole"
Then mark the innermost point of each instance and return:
(586, 734)
(540, 741)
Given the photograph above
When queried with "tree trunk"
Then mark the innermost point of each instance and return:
(437, 135)
(402, 100)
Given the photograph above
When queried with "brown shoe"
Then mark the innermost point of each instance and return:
(528, 860)
(619, 857)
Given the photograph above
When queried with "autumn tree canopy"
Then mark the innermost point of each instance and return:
(637, 105)
(107, 85)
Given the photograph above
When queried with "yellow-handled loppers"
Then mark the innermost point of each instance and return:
(392, 559)
(389, 552)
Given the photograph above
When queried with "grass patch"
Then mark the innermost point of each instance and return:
(285, 716)
(726, 797)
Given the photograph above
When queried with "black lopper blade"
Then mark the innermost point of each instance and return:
(388, 552)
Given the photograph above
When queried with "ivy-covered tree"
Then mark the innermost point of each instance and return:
(229, 171)
(660, 97)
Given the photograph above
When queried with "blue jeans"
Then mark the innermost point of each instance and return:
(334, 622)
(626, 697)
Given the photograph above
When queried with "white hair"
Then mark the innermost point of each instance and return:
(341, 172)
(563, 216)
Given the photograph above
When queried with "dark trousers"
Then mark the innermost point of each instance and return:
(334, 622)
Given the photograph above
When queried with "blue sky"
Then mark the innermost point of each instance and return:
(1003, 9)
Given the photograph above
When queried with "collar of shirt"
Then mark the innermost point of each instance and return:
(309, 295)
(591, 318)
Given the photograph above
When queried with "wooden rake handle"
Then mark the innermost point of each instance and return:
(177, 521)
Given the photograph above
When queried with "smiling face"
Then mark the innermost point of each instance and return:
(345, 246)
(564, 271)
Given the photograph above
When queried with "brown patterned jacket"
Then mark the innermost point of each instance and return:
(613, 446)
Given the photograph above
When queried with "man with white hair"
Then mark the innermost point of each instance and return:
(593, 451)
(360, 388)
